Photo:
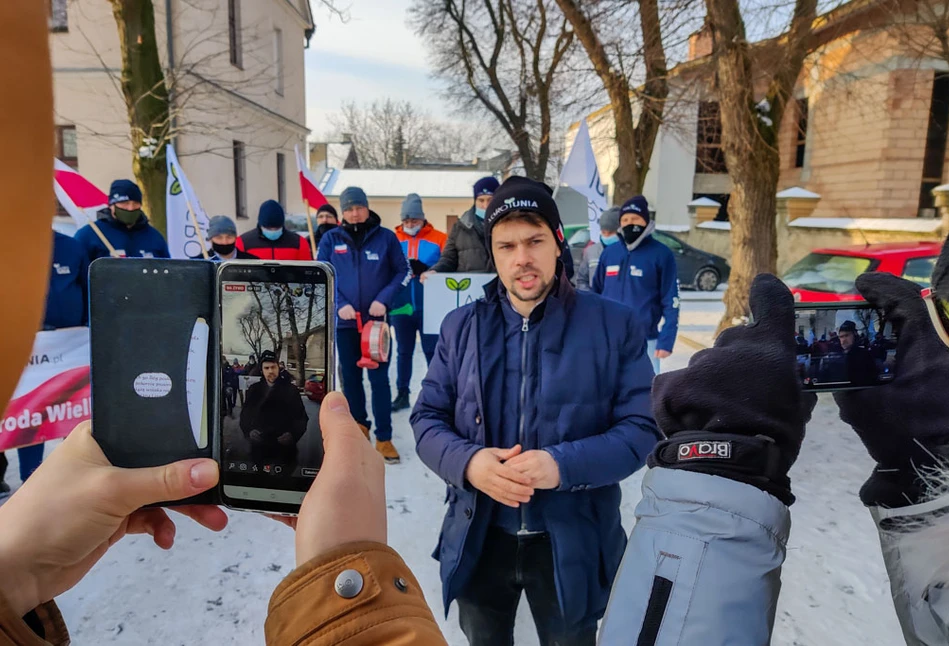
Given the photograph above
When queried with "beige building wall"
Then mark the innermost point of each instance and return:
(217, 102)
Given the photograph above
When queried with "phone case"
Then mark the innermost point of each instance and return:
(155, 380)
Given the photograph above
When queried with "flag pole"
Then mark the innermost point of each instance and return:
(105, 241)
(309, 226)
(194, 221)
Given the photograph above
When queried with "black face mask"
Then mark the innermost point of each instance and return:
(223, 249)
(323, 228)
(631, 232)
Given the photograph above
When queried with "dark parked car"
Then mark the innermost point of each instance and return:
(697, 269)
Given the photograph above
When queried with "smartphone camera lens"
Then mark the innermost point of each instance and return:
(273, 270)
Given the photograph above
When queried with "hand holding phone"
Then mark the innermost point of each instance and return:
(902, 425)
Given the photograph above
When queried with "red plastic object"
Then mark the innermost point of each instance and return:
(374, 342)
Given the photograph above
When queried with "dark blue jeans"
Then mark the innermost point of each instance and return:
(406, 329)
(30, 458)
(348, 346)
(507, 566)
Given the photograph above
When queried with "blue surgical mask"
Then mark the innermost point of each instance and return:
(411, 231)
(479, 213)
(608, 240)
(272, 234)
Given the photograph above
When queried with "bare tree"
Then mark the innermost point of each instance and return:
(252, 329)
(286, 313)
(501, 58)
(146, 99)
(394, 134)
(750, 137)
(635, 138)
(386, 133)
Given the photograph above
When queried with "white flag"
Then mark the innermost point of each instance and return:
(581, 174)
(184, 240)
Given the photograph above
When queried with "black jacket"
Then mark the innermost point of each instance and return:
(466, 251)
(274, 410)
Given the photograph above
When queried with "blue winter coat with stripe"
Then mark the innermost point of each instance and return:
(376, 271)
(590, 410)
(646, 280)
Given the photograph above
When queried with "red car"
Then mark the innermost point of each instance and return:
(826, 275)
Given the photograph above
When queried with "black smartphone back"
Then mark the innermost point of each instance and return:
(154, 369)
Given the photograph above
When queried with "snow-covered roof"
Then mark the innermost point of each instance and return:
(399, 183)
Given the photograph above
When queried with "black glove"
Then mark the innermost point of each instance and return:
(738, 410)
(418, 267)
(903, 424)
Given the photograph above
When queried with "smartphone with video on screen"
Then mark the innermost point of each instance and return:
(843, 346)
(278, 361)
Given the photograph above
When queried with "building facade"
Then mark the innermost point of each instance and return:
(235, 72)
(866, 130)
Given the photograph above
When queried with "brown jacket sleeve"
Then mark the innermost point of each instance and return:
(44, 626)
(389, 609)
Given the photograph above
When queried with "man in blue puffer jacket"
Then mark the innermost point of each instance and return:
(371, 269)
(535, 407)
(642, 274)
(125, 226)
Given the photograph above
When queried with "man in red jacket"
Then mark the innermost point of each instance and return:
(271, 240)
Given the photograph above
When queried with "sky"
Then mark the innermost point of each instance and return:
(372, 56)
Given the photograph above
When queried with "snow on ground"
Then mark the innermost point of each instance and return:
(214, 588)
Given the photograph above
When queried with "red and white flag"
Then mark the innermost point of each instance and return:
(312, 196)
(79, 196)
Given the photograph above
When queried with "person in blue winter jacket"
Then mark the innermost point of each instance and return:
(642, 274)
(66, 306)
(125, 226)
(371, 269)
(535, 407)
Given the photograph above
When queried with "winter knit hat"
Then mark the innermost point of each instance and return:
(221, 225)
(638, 205)
(328, 208)
(124, 190)
(412, 207)
(522, 194)
(270, 215)
(609, 219)
(485, 186)
(353, 196)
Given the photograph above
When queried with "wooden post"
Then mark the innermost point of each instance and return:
(105, 241)
(309, 227)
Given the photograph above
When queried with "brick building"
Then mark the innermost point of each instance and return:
(866, 131)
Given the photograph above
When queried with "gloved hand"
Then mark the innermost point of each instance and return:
(903, 424)
(418, 267)
(738, 410)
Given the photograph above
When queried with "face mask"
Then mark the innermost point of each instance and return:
(272, 234)
(631, 232)
(479, 213)
(411, 231)
(223, 249)
(128, 218)
(608, 240)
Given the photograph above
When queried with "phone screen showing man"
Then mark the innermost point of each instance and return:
(843, 347)
(275, 345)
